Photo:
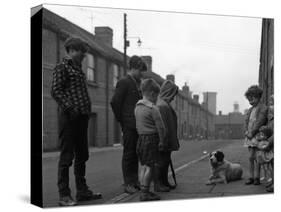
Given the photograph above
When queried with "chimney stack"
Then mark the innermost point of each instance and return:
(196, 98)
(185, 89)
(104, 35)
(236, 107)
(171, 77)
(148, 61)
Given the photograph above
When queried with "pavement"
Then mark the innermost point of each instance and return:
(191, 165)
(191, 178)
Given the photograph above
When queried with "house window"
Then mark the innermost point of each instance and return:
(116, 74)
(90, 68)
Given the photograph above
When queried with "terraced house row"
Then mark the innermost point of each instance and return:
(103, 67)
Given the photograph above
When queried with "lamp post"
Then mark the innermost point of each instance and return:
(139, 42)
(127, 42)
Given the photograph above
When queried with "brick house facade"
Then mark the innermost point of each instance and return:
(103, 67)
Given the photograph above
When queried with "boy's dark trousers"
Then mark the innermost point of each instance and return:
(130, 158)
(74, 144)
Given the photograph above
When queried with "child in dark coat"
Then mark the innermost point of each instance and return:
(168, 91)
(256, 117)
(151, 132)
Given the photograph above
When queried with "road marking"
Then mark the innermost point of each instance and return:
(188, 164)
(125, 196)
(118, 198)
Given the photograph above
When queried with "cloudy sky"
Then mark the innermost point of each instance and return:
(209, 52)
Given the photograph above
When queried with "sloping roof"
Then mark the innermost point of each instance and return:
(232, 118)
(66, 28)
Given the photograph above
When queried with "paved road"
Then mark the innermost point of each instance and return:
(191, 179)
(104, 169)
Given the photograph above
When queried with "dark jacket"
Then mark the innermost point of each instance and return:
(261, 118)
(167, 93)
(124, 100)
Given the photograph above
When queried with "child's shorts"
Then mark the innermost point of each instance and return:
(147, 149)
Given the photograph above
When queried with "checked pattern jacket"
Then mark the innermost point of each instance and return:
(69, 88)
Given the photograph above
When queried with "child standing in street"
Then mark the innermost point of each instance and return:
(151, 132)
(168, 91)
(256, 117)
(264, 157)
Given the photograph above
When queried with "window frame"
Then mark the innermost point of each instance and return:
(91, 67)
(117, 77)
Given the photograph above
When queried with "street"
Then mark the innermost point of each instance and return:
(104, 173)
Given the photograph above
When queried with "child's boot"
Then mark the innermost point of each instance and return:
(158, 183)
(257, 181)
(146, 195)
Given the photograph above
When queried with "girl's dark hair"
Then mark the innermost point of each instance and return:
(149, 85)
(254, 91)
(266, 130)
(76, 44)
(137, 63)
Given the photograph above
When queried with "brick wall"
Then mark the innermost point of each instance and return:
(53, 52)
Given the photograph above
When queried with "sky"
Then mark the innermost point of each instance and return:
(208, 52)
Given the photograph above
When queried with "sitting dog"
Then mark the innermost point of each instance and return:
(223, 171)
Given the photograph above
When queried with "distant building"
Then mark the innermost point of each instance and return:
(210, 101)
(236, 107)
(194, 121)
(230, 126)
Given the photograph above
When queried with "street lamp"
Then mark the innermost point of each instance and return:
(139, 42)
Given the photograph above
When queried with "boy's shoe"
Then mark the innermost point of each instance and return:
(171, 187)
(161, 188)
(67, 201)
(137, 186)
(257, 181)
(269, 184)
(270, 189)
(249, 181)
(149, 196)
(130, 189)
(87, 195)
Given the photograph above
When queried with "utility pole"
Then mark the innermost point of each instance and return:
(207, 115)
(125, 43)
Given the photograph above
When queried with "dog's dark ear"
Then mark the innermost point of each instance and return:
(219, 156)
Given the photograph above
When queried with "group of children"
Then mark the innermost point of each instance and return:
(156, 123)
(259, 137)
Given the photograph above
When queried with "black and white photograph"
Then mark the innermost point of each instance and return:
(144, 106)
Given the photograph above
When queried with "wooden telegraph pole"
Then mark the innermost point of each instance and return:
(207, 115)
(125, 43)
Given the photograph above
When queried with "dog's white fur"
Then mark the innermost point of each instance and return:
(223, 171)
